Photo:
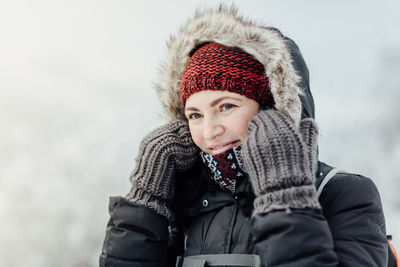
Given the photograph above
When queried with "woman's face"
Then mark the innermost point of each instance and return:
(218, 119)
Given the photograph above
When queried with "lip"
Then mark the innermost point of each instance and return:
(219, 148)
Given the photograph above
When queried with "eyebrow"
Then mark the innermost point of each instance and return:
(214, 103)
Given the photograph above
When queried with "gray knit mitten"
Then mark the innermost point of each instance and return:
(162, 153)
(281, 161)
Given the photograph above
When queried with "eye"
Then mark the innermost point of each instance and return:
(227, 106)
(194, 116)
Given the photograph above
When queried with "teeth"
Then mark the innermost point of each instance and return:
(219, 147)
(223, 146)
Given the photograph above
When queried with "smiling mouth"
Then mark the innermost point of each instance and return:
(223, 148)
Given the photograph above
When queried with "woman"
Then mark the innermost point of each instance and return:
(233, 176)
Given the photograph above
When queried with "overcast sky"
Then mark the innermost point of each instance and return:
(76, 97)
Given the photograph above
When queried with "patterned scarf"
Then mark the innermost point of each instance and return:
(226, 168)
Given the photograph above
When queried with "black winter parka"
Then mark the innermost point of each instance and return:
(349, 231)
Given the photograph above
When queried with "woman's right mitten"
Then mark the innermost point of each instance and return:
(162, 153)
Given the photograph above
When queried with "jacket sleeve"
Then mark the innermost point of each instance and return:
(135, 236)
(354, 212)
(348, 231)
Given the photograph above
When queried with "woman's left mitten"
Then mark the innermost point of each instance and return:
(309, 132)
(279, 163)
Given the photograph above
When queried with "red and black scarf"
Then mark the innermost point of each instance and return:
(226, 169)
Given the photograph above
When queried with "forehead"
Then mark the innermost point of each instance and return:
(208, 96)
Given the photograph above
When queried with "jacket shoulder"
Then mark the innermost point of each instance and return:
(346, 189)
(349, 191)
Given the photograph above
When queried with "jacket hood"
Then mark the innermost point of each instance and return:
(277, 53)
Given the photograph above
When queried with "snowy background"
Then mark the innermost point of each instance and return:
(76, 97)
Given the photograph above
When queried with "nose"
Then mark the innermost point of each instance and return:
(212, 128)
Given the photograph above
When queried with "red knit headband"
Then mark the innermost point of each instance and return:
(217, 67)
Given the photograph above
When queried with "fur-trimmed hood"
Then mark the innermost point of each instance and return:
(226, 27)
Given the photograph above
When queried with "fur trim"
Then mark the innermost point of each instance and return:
(226, 27)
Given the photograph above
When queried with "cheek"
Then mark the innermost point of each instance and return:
(196, 135)
(241, 129)
(240, 124)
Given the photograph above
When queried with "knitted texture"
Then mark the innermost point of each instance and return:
(217, 67)
(162, 153)
(225, 168)
(281, 162)
(309, 132)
